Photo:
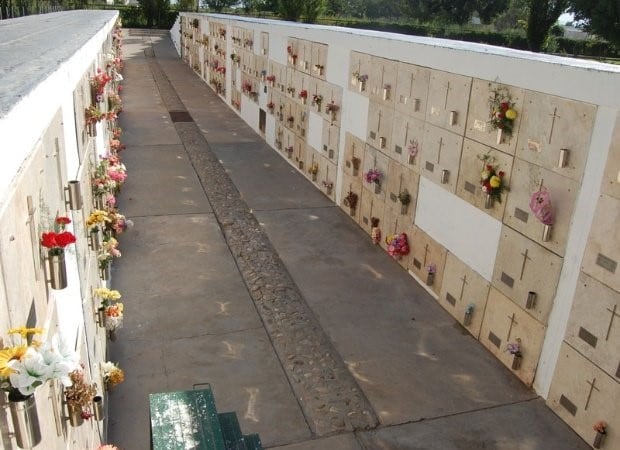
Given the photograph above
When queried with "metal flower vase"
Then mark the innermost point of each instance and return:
(57, 269)
(75, 415)
(599, 439)
(516, 362)
(105, 272)
(488, 201)
(25, 420)
(430, 279)
(98, 407)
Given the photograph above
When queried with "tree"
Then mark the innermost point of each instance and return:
(601, 17)
(313, 9)
(489, 9)
(542, 15)
(219, 5)
(291, 9)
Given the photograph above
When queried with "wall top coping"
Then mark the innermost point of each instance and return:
(34, 47)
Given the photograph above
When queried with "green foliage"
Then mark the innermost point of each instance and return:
(313, 9)
(542, 15)
(291, 9)
(601, 17)
(219, 5)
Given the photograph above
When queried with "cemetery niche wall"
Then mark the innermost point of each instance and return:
(502, 168)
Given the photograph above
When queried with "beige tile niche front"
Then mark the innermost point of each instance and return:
(441, 151)
(460, 288)
(522, 266)
(472, 165)
(424, 252)
(582, 394)
(448, 100)
(602, 253)
(594, 324)
(611, 178)
(411, 92)
(479, 127)
(526, 179)
(407, 132)
(504, 323)
(549, 124)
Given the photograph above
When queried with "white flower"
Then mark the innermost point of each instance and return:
(108, 367)
(29, 372)
(61, 358)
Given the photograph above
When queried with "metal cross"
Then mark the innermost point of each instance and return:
(554, 115)
(525, 258)
(592, 388)
(425, 254)
(33, 233)
(411, 86)
(614, 314)
(512, 322)
(445, 103)
(379, 122)
(439, 151)
(406, 132)
(464, 280)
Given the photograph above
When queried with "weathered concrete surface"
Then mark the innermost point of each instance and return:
(216, 297)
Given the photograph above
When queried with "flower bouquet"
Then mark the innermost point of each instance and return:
(502, 112)
(374, 176)
(397, 245)
(514, 348)
(404, 197)
(79, 397)
(350, 200)
(56, 241)
(112, 374)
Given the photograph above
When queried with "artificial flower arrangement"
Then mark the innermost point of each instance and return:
(373, 176)
(317, 99)
(116, 170)
(98, 83)
(291, 53)
(350, 200)
(247, 86)
(92, 115)
(235, 58)
(404, 197)
(540, 205)
(221, 69)
(375, 231)
(303, 94)
(270, 78)
(332, 107)
(118, 223)
(116, 146)
(314, 169)
(112, 374)
(413, 148)
(114, 102)
(107, 447)
(97, 220)
(600, 427)
(116, 132)
(271, 105)
(359, 78)
(28, 364)
(491, 179)
(514, 348)
(356, 162)
(397, 245)
(431, 269)
(80, 394)
(56, 241)
(111, 307)
(328, 184)
(502, 110)
(109, 250)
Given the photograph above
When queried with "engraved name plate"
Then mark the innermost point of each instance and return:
(521, 215)
(568, 405)
(373, 135)
(469, 187)
(417, 264)
(430, 166)
(495, 340)
(606, 263)
(330, 154)
(398, 149)
(365, 220)
(480, 125)
(450, 299)
(507, 280)
(393, 197)
(588, 337)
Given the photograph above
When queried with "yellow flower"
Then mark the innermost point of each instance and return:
(107, 294)
(24, 332)
(485, 175)
(511, 114)
(10, 354)
(495, 181)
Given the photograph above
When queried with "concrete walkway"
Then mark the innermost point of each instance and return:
(239, 273)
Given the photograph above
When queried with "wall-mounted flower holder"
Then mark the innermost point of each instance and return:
(531, 300)
(98, 407)
(300, 164)
(599, 439)
(112, 335)
(304, 100)
(105, 273)
(467, 318)
(377, 188)
(516, 361)
(75, 195)
(91, 128)
(546, 236)
(386, 93)
(416, 104)
(289, 152)
(500, 136)
(101, 317)
(563, 158)
(452, 118)
(430, 278)
(25, 420)
(94, 240)
(382, 142)
(74, 415)
(303, 65)
(445, 176)
(403, 208)
(57, 269)
(488, 201)
(362, 86)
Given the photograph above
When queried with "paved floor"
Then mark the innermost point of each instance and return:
(239, 273)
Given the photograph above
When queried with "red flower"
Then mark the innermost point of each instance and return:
(65, 238)
(48, 240)
(489, 167)
(504, 106)
(61, 220)
(501, 173)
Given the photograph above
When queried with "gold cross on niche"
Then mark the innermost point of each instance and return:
(525, 258)
(512, 322)
(425, 254)
(592, 388)
(614, 314)
(33, 234)
(439, 150)
(464, 280)
(554, 116)
(445, 103)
